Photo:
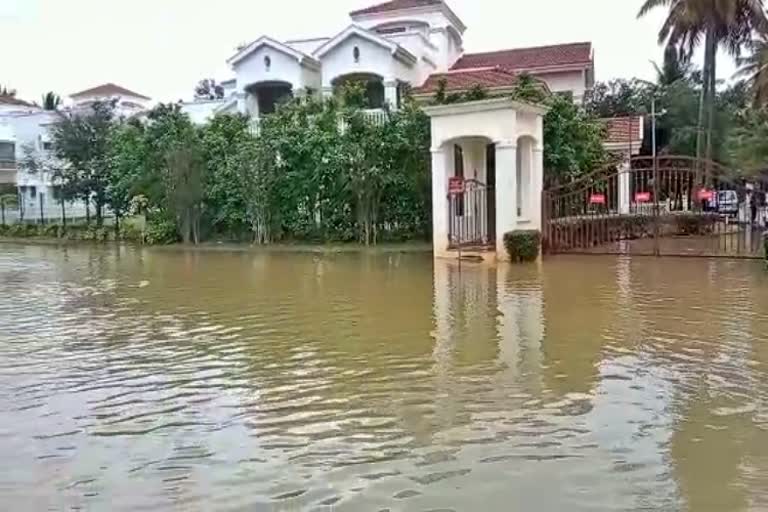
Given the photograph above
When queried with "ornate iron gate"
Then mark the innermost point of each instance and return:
(676, 206)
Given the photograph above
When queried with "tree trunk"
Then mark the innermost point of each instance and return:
(702, 106)
(87, 210)
(711, 108)
(63, 213)
(2, 211)
(117, 225)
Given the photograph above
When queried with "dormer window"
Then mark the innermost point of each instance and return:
(267, 63)
(356, 54)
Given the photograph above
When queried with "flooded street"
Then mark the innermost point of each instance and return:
(135, 379)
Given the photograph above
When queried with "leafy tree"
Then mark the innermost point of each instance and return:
(573, 142)
(747, 143)
(208, 89)
(7, 92)
(184, 188)
(126, 159)
(618, 98)
(673, 69)
(51, 101)
(728, 24)
(81, 141)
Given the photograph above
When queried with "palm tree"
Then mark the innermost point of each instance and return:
(754, 67)
(729, 24)
(673, 69)
(51, 101)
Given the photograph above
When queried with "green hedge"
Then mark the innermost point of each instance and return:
(523, 245)
(156, 233)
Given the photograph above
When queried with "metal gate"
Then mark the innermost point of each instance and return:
(671, 205)
(471, 216)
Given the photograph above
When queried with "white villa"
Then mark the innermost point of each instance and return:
(24, 132)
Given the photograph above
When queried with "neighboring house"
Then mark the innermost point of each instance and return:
(25, 138)
(388, 47)
(128, 103)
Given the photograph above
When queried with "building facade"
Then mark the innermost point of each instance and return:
(391, 46)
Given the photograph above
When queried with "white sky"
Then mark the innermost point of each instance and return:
(161, 48)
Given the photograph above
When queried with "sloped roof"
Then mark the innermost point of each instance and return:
(108, 89)
(395, 5)
(623, 130)
(356, 30)
(241, 54)
(462, 80)
(12, 100)
(530, 58)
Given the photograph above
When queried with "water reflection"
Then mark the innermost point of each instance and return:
(154, 380)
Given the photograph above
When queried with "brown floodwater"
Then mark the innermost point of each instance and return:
(137, 379)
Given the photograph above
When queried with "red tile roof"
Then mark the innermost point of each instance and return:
(465, 79)
(395, 5)
(109, 89)
(622, 130)
(530, 58)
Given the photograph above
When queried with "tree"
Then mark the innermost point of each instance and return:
(673, 69)
(7, 92)
(82, 141)
(51, 101)
(618, 98)
(184, 184)
(754, 67)
(727, 24)
(573, 142)
(126, 158)
(208, 89)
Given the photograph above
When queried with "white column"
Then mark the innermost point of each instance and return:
(624, 199)
(327, 92)
(506, 193)
(390, 94)
(439, 202)
(536, 187)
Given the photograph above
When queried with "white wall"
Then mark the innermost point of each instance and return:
(373, 59)
(574, 81)
(200, 112)
(283, 68)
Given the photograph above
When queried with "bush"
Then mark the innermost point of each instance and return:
(693, 224)
(161, 232)
(131, 233)
(523, 245)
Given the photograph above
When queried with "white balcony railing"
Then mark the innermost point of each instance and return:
(376, 116)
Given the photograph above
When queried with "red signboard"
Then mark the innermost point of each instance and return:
(642, 197)
(597, 199)
(456, 185)
(706, 195)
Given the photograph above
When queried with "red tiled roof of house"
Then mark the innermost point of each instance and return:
(395, 5)
(622, 130)
(462, 80)
(109, 89)
(12, 100)
(530, 58)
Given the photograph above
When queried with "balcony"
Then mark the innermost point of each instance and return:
(376, 116)
(8, 171)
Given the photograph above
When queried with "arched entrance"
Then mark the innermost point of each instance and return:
(264, 97)
(372, 93)
(471, 195)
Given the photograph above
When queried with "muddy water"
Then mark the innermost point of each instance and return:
(156, 380)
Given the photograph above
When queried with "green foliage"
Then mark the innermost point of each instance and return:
(443, 97)
(161, 232)
(523, 245)
(695, 223)
(618, 98)
(82, 142)
(747, 142)
(573, 142)
(529, 90)
(51, 101)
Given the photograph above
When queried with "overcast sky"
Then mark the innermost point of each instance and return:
(161, 48)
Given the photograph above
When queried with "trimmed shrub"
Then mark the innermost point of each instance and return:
(161, 232)
(523, 245)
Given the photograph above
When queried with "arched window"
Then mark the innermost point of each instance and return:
(267, 62)
(356, 54)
